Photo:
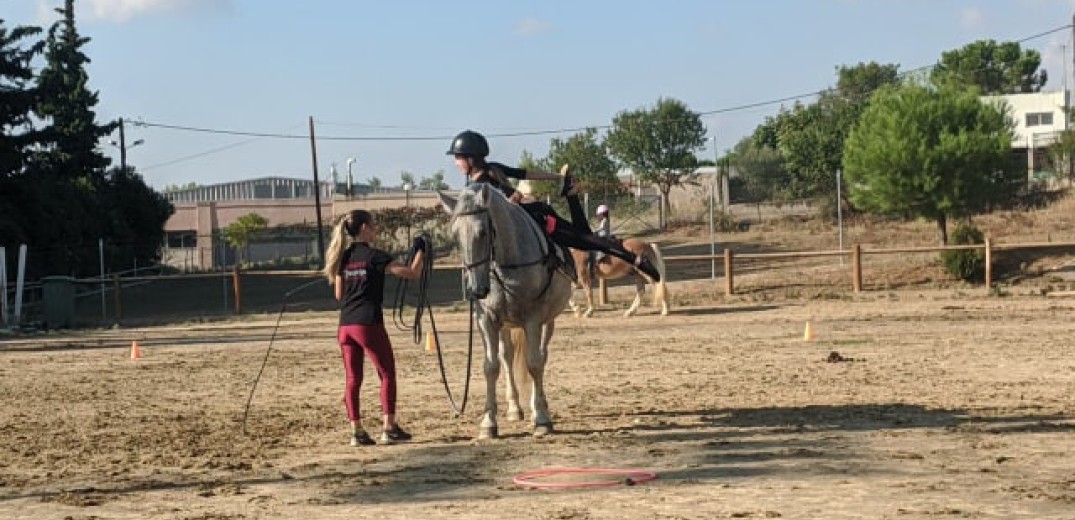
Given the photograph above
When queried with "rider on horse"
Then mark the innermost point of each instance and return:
(470, 150)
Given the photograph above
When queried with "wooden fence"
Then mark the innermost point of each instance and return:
(145, 296)
(855, 253)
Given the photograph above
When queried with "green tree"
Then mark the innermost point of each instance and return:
(18, 96)
(589, 162)
(240, 233)
(57, 194)
(434, 182)
(937, 154)
(856, 83)
(811, 137)
(136, 215)
(376, 182)
(67, 103)
(659, 145)
(406, 178)
(762, 171)
(994, 68)
(1061, 155)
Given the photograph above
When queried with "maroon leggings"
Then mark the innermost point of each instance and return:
(374, 340)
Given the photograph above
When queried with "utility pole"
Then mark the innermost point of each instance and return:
(122, 148)
(317, 194)
(712, 205)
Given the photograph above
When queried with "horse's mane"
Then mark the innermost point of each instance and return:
(469, 201)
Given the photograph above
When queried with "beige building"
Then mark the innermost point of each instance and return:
(289, 205)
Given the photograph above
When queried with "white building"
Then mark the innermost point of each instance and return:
(1039, 118)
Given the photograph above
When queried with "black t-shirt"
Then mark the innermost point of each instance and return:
(362, 269)
(506, 189)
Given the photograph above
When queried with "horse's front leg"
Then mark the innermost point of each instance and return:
(537, 355)
(508, 341)
(490, 331)
(640, 289)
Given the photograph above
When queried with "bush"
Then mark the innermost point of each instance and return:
(965, 264)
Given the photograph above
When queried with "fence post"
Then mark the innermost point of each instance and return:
(119, 299)
(238, 289)
(856, 268)
(988, 265)
(729, 283)
(602, 291)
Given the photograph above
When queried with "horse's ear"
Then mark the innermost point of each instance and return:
(447, 202)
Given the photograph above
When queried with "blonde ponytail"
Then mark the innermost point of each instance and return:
(340, 241)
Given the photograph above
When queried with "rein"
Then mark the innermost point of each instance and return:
(421, 307)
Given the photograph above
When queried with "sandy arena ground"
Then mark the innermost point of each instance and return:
(939, 404)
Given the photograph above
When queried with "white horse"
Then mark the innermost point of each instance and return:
(509, 271)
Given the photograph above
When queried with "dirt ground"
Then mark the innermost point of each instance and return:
(907, 404)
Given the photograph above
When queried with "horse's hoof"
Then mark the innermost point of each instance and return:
(588, 314)
(628, 314)
(542, 430)
(664, 312)
(515, 415)
(487, 433)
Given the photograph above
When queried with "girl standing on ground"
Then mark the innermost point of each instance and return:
(356, 270)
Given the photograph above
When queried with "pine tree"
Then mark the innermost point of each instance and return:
(18, 47)
(67, 105)
(17, 96)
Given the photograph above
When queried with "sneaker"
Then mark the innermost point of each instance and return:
(568, 188)
(396, 434)
(361, 438)
(646, 267)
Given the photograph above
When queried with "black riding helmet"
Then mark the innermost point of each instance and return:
(470, 143)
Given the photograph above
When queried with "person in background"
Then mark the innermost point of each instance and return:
(604, 225)
(603, 230)
(470, 149)
(357, 270)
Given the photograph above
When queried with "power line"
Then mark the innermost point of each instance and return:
(259, 135)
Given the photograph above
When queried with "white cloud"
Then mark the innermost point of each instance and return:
(124, 10)
(971, 18)
(531, 26)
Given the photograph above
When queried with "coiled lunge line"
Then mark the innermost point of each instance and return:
(424, 243)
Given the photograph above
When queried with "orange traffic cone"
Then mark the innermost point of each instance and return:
(808, 334)
(136, 353)
(431, 344)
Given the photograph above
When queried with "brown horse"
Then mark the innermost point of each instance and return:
(612, 268)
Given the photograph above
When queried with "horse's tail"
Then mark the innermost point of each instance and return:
(660, 290)
(519, 368)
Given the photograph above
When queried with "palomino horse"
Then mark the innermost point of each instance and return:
(611, 268)
(510, 271)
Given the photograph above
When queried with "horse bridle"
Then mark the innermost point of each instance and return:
(492, 252)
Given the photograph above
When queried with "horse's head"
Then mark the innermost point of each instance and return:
(473, 228)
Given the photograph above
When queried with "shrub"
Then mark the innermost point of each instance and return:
(965, 264)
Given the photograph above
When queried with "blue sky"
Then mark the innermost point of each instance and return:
(420, 71)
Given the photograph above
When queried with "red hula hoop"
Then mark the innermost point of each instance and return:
(631, 477)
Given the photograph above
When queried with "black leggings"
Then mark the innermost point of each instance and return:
(575, 234)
